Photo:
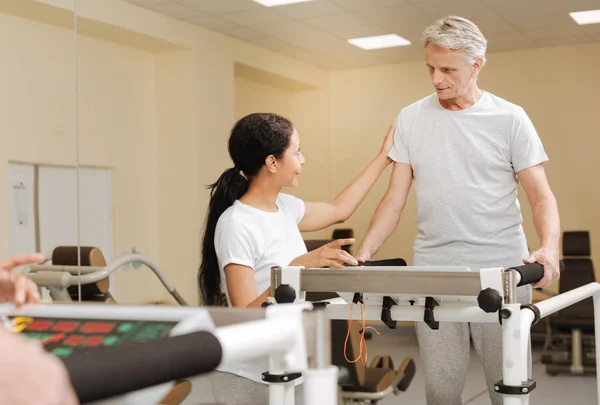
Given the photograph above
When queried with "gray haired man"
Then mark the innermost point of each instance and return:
(466, 150)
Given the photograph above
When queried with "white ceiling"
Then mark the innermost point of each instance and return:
(317, 31)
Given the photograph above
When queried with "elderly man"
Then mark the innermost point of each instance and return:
(466, 149)
(28, 374)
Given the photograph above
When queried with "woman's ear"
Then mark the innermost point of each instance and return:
(271, 163)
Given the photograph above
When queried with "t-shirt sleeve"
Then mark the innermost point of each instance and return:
(526, 146)
(293, 206)
(234, 244)
(399, 152)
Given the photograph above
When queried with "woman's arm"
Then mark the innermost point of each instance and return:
(319, 215)
(241, 287)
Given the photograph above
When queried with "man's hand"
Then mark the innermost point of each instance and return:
(30, 375)
(363, 255)
(15, 287)
(549, 258)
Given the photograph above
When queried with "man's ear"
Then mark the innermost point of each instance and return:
(271, 163)
(477, 65)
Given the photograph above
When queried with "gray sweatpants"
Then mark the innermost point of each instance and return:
(445, 353)
(231, 389)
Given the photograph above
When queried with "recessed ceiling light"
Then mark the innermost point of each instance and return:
(379, 42)
(586, 17)
(272, 3)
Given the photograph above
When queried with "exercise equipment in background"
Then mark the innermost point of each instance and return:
(63, 280)
(570, 346)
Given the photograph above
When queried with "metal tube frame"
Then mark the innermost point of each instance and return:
(516, 384)
(61, 277)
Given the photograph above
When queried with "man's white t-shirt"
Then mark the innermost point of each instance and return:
(464, 165)
(260, 240)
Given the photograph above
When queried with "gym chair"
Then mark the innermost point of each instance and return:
(99, 292)
(90, 256)
(366, 384)
(570, 344)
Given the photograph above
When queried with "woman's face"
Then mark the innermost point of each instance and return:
(291, 162)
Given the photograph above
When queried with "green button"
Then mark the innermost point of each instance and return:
(39, 336)
(62, 351)
(126, 327)
(110, 340)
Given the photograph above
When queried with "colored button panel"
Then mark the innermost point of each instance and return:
(39, 325)
(96, 327)
(65, 326)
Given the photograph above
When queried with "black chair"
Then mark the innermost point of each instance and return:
(571, 346)
(366, 384)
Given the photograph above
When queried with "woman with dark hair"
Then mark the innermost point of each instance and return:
(252, 226)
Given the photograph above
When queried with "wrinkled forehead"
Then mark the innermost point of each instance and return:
(438, 56)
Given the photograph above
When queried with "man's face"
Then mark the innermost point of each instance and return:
(450, 73)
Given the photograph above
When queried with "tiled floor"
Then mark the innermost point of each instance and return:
(562, 389)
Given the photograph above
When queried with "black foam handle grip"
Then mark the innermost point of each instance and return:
(532, 273)
(385, 262)
(106, 372)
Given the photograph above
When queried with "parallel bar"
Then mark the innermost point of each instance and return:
(254, 339)
(563, 300)
(397, 281)
(67, 269)
(414, 313)
(103, 311)
(222, 316)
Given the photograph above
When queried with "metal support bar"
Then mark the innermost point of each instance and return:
(433, 282)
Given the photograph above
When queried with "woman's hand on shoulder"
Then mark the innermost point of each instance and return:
(329, 255)
(388, 140)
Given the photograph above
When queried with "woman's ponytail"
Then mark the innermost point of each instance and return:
(230, 186)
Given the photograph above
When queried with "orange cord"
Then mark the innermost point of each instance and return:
(363, 343)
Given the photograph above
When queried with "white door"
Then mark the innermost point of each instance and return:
(56, 195)
(58, 209)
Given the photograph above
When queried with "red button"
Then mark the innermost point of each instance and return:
(97, 327)
(66, 326)
(94, 341)
(73, 340)
(53, 339)
(39, 325)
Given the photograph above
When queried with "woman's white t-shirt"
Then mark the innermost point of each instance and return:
(260, 240)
